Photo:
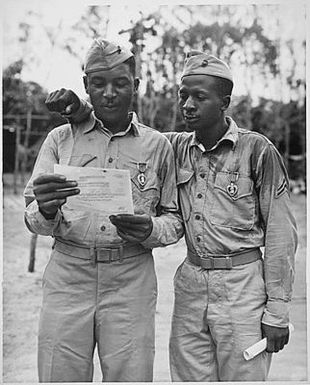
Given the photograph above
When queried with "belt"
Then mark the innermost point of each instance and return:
(99, 254)
(224, 261)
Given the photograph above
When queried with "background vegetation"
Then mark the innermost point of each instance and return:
(271, 81)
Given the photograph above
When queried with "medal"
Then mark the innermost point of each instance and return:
(232, 188)
(141, 176)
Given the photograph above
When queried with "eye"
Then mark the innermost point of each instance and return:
(183, 96)
(121, 83)
(97, 82)
(201, 96)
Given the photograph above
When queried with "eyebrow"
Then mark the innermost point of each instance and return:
(193, 89)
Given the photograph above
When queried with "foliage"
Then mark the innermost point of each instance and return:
(19, 99)
(160, 41)
(20, 96)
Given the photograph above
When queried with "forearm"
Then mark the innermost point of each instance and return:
(280, 247)
(280, 239)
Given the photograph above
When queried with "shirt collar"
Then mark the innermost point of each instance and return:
(230, 135)
(91, 123)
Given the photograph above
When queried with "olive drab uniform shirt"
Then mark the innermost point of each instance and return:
(139, 149)
(235, 197)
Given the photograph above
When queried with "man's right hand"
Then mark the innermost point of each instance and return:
(51, 192)
(64, 101)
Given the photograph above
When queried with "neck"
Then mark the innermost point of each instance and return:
(119, 126)
(211, 135)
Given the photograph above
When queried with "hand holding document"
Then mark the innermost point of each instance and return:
(104, 190)
(259, 347)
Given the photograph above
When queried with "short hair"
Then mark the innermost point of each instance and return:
(131, 62)
(223, 86)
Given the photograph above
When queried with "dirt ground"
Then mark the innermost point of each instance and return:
(22, 300)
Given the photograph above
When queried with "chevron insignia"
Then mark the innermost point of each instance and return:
(282, 188)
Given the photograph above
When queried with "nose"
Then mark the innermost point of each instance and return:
(109, 92)
(189, 104)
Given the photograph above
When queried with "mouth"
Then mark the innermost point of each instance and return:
(191, 118)
(110, 107)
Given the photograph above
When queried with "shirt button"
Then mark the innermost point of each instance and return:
(197, 217)
(202, 175)
(198, 239)
(110, 160)
(199, 195)
(102, 228)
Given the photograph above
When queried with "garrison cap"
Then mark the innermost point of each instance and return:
(200, 63)
(105, 55)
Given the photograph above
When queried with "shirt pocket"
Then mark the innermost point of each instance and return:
(145, 196)
(237, 211)
(184, 178)
(76, 225)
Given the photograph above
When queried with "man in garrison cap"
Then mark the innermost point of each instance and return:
(234, 198)
(99, 286)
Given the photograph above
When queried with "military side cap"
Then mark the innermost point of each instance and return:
(200, 63)
(104, 55)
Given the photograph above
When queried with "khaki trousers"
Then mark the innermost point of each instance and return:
(111, 305)
(217, 315)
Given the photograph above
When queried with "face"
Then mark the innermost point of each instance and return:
(201, 106)
(111, 93)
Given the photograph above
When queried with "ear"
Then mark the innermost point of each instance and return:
(85, 81)
(136, 84)
(226, 102)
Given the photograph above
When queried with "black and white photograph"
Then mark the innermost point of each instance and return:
(154, 191)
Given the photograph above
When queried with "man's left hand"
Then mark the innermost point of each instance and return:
(133, 228)
(277, 338)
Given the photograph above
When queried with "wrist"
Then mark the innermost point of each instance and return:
(47, 216)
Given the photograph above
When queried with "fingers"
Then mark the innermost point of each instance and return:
(47, 178)
(63, 101)
(53, 187)
(129, 219)
(134, 228)
(277, 338)
(127, 237)
(52, 190)
(55, 195)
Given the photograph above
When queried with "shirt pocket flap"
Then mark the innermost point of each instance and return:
(241, 187)
(184, 176)
(78, 160)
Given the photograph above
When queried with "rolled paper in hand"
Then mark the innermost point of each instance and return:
(259, 347)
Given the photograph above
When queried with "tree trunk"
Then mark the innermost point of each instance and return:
(16, 165)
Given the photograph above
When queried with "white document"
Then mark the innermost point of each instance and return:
(104, 190)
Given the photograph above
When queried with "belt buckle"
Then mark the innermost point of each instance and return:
(98, 253)
(120, 254)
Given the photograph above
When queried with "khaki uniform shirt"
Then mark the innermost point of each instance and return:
(90, 144)
(235, 197)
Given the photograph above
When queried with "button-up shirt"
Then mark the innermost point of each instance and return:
(90, 144)
(235, 197)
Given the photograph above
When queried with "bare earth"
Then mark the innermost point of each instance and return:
(22, 300)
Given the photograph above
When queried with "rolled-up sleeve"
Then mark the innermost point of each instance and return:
(280, 235)
(46, 159)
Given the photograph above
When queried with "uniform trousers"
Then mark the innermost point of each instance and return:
(108, 304)
(217, 315)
